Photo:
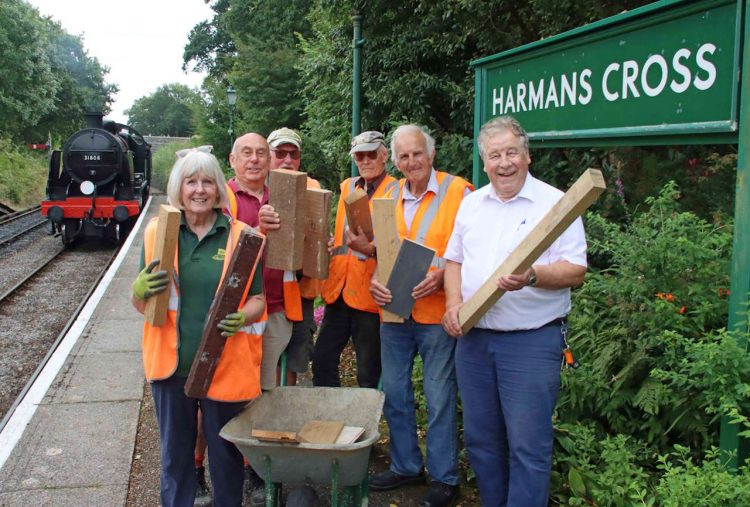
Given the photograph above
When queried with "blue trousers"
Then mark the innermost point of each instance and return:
(399, 345)
(177, 418)
(509, 383)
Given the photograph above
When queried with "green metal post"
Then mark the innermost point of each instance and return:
(730, 440)
(357, 43)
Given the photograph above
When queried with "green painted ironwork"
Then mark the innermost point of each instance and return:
(357, 43)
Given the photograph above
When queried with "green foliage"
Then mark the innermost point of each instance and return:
(647, 327)
(49, 81)
(169, 111)
(163, 161)
(709, 484)
(23, 175)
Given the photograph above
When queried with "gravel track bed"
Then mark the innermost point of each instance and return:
(19, 224)
(33, 317)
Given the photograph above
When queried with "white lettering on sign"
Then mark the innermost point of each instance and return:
(92, 158)
(623, 80)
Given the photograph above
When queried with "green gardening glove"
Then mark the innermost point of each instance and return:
(232, 323)
(147, 283)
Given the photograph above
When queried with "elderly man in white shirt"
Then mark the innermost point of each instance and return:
(508, 365)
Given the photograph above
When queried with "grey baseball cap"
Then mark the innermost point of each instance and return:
(367, 141)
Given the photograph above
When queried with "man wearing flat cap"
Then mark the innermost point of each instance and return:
(350, 310)
(298, 295)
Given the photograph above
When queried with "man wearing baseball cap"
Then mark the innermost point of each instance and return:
(298, 294)
(350, 309)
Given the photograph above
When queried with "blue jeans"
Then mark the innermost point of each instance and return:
(509, 383)
(177, 418)
(399, 345)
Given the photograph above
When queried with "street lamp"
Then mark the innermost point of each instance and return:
(232, 100)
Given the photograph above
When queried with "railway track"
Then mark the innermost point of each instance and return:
(38, 309)
(15, 225)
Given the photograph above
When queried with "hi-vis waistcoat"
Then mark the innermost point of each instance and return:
(350, 271)
(292, 290)
(432, 226)
(237, 377)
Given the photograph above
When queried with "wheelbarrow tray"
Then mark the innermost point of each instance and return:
(288, 409)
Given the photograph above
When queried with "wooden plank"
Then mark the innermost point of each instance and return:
(357, 207)
(388, 243)
(320, 432)
(317, 230)
(165, 248)
(349, 435)
(227, 300)
(411, 266)
(286, 193)
(275, 436)
(570, 206)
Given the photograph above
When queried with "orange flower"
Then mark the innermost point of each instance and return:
(670, 297)
(660, 295)
(682, 310)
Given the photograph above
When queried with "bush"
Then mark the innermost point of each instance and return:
(163, 161)
(23, 175)
(644, 326)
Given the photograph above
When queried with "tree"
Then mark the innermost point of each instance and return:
(28, 87)
(169, 111)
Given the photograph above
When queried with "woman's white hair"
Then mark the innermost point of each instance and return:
(191, 163)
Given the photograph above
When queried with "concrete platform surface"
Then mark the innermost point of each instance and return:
(78, 446)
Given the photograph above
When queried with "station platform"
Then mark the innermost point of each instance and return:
(71, 441)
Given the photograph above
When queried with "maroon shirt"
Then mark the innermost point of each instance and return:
(273, 279)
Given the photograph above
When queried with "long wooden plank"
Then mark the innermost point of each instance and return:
(357, 206)
(411, 266)
(233, 287)
(286, 193)
(165, 248)
(388, 243)
(570, 206)
(275, 436)
(317, 230)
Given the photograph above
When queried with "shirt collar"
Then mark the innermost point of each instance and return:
(432, 186)
(370, 189)
(526, 192)
(221, 222)
(239, 190)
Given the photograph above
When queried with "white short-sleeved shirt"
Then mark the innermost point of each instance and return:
(487, 230)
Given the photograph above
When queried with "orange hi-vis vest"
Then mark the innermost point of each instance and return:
(350, 271)
(432, 226)
(237, 376)
(293, 291)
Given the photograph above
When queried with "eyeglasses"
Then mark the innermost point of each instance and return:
(282, 154)
(359, 156)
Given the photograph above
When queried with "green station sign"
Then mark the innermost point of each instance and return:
(666, 71)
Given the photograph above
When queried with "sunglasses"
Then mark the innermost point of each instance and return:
(359, 156)
(282, 154)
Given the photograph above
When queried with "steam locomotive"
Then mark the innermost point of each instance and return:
(103, 185)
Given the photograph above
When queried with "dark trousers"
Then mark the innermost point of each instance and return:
(340, 322)
(177, 418)
(509, 383)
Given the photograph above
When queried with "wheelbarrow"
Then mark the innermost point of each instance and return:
(287, 409)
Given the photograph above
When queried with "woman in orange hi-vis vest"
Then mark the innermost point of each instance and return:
(205, 245)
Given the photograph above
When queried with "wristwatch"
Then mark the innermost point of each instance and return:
(532, 279)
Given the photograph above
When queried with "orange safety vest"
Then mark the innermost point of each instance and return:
(291, 289)
(432, 226)
(350, 271)
(237, 376)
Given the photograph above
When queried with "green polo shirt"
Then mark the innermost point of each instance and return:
(200, 264)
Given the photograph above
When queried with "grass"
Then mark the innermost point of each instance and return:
(23, 175)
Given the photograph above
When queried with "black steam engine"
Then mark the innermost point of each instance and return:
(104, 181)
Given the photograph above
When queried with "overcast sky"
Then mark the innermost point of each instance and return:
(141, 41)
